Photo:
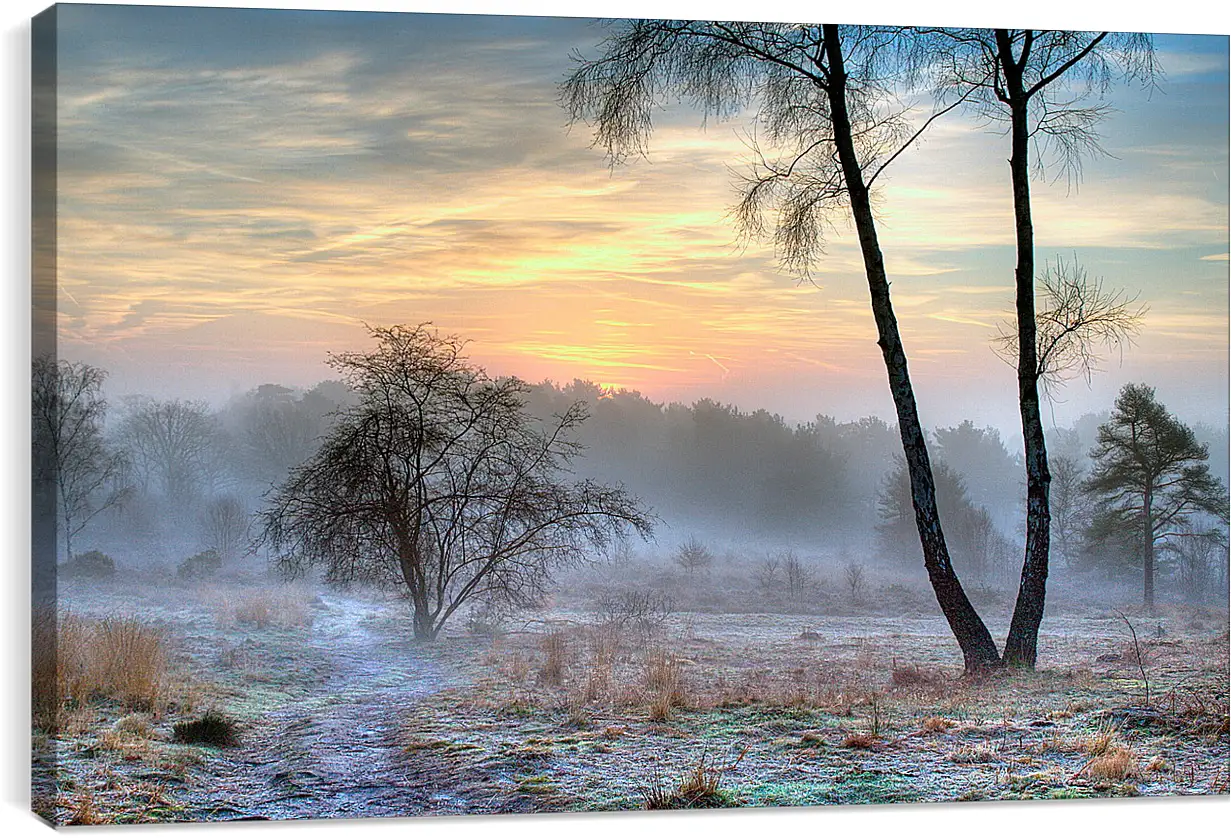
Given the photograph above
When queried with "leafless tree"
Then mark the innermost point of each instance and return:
(172, 445)
(645, 611)
(1046, 87)
(225, 526)
(766, 573)
(693, 557)
(1198, 552)
(1070, 506)
(438, 481)
(797, 577)
(1082, 320)
(69, 452)
(856, 581)
(825, 104)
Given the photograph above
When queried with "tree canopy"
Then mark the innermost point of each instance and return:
(439, 480)
(1150, 476)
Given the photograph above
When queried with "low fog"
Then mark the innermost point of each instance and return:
(756, 493)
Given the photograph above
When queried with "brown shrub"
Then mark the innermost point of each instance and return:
(936, 724)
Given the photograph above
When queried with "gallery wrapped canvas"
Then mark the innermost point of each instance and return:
(441, 414)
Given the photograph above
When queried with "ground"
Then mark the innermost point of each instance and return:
(339, 713)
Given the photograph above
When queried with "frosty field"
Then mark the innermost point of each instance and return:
(339, 713)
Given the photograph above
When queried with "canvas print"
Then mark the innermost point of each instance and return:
(469, 414)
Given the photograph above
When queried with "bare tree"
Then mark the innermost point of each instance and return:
(1082, 320)
(693, 556)
(797, 577)
(276, 431)
(1047, 88)
(67, 432)
(225, 526)
(856, 581)
(439, 481)
(172, 445)
(766, 573)
(1070, 506)
(823, 98)
(1198, 552)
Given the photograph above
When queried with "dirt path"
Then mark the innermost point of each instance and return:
(334, 753)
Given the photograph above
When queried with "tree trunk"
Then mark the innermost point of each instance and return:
(410, 563)
(1021, 645)
(1147, 551)
(425, 625)
(978, 648)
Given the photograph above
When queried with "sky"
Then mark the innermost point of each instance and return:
(242, 190)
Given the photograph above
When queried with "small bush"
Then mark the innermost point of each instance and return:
(204, 565)
(487, 619)
(856, 582)
(646, 611)
(213, 729)
(94, 564)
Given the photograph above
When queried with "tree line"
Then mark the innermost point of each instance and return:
(471, 500)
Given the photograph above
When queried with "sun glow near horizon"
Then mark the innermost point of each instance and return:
(237, 213)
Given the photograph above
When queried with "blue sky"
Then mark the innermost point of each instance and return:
(242, 189)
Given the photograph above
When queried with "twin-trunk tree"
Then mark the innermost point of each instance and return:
(825, 100)
(820, 93)
(438, 481)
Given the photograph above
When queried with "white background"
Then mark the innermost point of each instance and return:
(999, 820)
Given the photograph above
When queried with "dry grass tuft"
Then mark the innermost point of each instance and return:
(555, 659)
(1098, 744)
(119, 659)
(859, 741)
(83, 812)
(135, 724)
(287, 607)
(665, 686)
(937, 724)
(973, 754)
(1116, 763)
(699, 788)
(913, 675)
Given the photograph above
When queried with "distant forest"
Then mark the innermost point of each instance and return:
(834, 491)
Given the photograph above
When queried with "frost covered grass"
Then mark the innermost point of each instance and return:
(837, 711)
(573, 711)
